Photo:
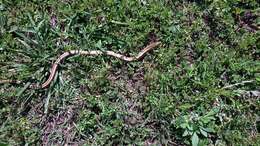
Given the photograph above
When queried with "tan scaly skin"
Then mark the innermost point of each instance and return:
(95, 53)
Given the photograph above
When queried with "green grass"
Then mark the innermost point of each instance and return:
(175, 95)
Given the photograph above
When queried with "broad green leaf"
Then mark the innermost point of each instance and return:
(184, 125)
(258, 79)
(185, 133)
(204, 133)
(185, 106)
(23, 89)
(195, 139)
(208, 129)
(99, 44)
(46, 105)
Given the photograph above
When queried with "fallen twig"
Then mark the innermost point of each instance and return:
(9, 81)
(236, 84)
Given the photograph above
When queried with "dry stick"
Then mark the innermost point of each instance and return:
(95, 53)
(9, 81)
(236, 84)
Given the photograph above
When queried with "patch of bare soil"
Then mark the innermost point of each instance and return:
(132, 90)
(58, 127)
